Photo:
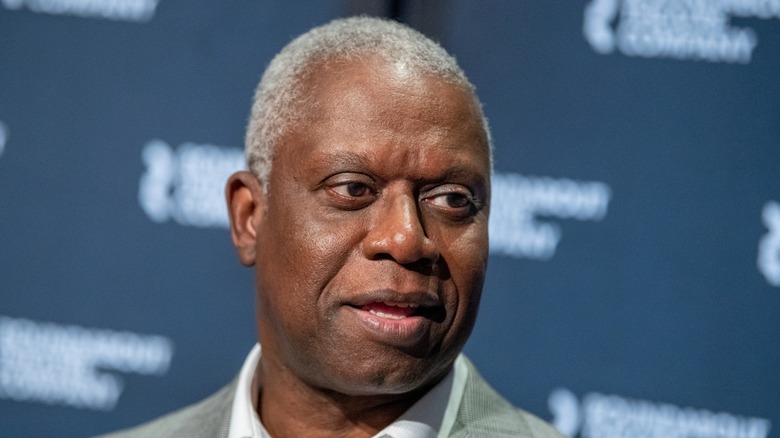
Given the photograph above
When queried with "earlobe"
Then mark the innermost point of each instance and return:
(245, 203)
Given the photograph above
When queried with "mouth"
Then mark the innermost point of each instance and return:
(395, 305)
(397, 319)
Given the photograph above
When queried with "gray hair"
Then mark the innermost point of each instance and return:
(276, 103)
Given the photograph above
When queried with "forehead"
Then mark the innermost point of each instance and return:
(370, 103)
(396, 84)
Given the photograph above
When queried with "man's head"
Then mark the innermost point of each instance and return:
(369, 232)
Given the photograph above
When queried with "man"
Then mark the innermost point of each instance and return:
(365, 216)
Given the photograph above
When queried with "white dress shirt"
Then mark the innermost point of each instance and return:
(431, 417)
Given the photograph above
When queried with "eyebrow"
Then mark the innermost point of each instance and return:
(346, 159)
(463, 172)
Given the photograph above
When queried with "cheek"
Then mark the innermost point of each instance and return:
(466, 255)
(304, 251)
(466, 252)
(323, 246)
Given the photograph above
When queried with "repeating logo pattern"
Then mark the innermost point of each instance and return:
(3, 137)
(612, 416)
(520, 202)
(769, 246)
(67, 364)
(679, 29)
(121, 10)
(187, 184)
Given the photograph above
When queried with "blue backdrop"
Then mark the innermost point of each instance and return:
(634, 280)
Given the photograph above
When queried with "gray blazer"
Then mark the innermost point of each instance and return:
(483, 413)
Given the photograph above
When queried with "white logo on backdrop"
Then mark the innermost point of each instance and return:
(187, 185)
(66, 364)
(769, 246)
(520, 201)
(680, 29)
(611, 416)
(122, 10)
(3, 137)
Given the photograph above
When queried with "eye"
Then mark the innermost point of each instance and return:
(353, 189)
(350, 191)
(453, 200)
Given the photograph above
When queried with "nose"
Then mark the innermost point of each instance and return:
(399, 233)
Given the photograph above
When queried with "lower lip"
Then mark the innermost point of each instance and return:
(404, 332)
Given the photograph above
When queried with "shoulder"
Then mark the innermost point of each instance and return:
(207, 418)
(484, 413)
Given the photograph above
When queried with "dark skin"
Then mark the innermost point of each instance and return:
(369, 248)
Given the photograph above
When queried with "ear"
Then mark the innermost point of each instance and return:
(246, 208)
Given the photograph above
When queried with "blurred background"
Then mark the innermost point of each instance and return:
(634, 280)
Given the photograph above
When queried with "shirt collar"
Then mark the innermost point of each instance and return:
(432, 416)
(244, 422)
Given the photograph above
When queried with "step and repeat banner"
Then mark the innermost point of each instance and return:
(634, 280)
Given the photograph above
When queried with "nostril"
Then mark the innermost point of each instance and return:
(426, 267)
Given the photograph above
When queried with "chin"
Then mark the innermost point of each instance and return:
(389, 377)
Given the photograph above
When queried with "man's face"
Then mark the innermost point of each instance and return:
(371, 255)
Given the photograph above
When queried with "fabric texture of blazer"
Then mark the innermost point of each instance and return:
(482, 413)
